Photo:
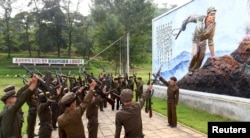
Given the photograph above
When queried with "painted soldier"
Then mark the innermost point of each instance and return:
(172, 99)
(130, 115)
(10, 118)
(70, 122)
(205, 28)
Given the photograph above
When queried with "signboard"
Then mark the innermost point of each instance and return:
(47, 61)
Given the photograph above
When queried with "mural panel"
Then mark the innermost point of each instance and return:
(230, 39)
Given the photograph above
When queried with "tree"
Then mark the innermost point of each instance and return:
(72, 19)
(7, 7)
(24, 21)
(116, 18)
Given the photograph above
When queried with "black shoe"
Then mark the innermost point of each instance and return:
(173, 126)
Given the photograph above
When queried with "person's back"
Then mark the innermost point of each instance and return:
(70, 122)
(130, 117)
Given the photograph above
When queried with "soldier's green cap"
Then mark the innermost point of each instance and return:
(9, 92)
(126, 95)
(42, 94)
(211, 10)
(173, 78)
(65, 90)
(68, 98)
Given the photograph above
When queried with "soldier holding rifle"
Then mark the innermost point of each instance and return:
(130, 115)
(9, 117)
(70, 122)
(172, 99)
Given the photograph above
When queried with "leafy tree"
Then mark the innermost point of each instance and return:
(6, 5)
(23, 22)
(116, 18)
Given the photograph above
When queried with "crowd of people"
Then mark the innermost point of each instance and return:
(59, 102)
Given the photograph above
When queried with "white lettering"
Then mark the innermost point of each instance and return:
(216, 129)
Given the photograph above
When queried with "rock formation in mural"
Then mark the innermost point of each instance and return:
(229, 75)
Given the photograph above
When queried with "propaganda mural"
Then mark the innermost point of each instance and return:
(204, 56)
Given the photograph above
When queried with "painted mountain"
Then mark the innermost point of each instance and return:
(180, 64)
(227, 75)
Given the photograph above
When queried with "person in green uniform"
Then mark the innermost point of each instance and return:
(70, 123)
(172, 99)
(45, 116)
(32, 102)
(9, 117)
(129, 116)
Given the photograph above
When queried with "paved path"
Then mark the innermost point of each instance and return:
(155, 127)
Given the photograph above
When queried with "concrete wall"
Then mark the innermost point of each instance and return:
(227, 106)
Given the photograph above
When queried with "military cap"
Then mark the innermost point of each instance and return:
(9, 92)
(173, 78)
(65, 90)
(42, 94)
(74, 89)
(68, 98)
(126, 95)
(211, 10)
(9, 88)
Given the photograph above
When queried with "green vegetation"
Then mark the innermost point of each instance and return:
(193, 118)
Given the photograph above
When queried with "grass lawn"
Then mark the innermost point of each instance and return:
(190, 117)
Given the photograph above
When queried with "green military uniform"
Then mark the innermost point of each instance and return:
(115, 90)
(130, 116)
(70, 123)
(172, 101)
(11, 121)
(139, 88)
(32, 114)
(92, 116)
(45, 117)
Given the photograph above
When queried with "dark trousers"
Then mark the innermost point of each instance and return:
(93, 127)
(55, 113)
(172, 118)
(137, 96)
(31, 122)
(45, 131)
